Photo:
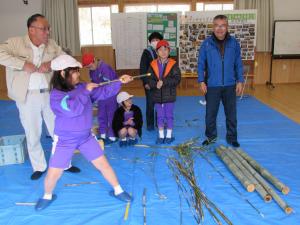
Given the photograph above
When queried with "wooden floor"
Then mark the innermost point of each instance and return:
(283, 98)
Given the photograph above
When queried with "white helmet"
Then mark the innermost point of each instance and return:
(123, 96)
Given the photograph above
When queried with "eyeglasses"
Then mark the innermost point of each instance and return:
(44, 29)
(223, 26)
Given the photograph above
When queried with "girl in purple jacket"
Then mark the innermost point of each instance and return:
(100, 72)
(71, 102)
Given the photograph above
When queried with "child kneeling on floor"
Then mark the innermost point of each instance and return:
(165, 76)
(128, 120)
(71, 102)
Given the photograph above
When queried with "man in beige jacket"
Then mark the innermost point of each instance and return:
(27, 60)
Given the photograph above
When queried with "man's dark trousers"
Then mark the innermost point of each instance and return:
(227, 95)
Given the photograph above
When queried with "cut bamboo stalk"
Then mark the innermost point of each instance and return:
(258, 187)
(283, 205)
(265, 173)
(259, 179)
(232, 167)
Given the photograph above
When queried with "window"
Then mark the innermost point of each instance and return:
(94, 24)
(174, 8)
(140, 8)
(158, 8)
(228, 7)
(213, 6)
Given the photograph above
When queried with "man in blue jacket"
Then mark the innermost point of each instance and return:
(220, 74)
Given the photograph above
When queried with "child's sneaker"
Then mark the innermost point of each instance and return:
(124, 196)
(160, 141)
(169, 140)
(132, 141)
(107, 141)
(44, 203)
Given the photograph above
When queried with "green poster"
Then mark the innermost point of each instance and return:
(166, 24)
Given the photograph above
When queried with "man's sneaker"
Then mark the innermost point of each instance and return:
(169, 140)
(44, 203)
(37, 175)
(73, 169)
(160, 141)
(234, 144)
(208, 141)
(124, 196)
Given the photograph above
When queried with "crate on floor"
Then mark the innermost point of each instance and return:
(13, 149)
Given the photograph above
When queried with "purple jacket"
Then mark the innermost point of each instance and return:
(102, 73)
(73, 109)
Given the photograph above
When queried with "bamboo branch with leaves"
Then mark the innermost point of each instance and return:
(183, 171)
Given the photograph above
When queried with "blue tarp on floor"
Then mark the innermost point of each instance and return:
(269, 137)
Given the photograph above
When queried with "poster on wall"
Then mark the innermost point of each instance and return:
(195, 27)
(167, 25)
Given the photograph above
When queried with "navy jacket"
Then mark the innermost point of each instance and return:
(148, 56)
(220, 71)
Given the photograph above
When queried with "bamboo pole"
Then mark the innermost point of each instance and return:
(283, 205)
(233, 168)
(265, 173)
(259, 188)
(117, 80)
(276, 197)
(228, 182)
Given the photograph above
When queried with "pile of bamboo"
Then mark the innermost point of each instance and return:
(182, 168)
(253, 176)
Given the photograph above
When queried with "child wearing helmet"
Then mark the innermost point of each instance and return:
(71, 102)
(128, 120)
(165, 77)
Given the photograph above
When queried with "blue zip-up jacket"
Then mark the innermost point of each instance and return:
(220, 71)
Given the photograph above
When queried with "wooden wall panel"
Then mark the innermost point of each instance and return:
(286, 71)
(2, 79)
(103, 52)
(262, 67)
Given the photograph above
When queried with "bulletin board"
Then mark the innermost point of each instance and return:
(167, 25)
(195, 27)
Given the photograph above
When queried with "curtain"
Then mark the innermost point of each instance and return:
(265, 18)
(63, 19)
